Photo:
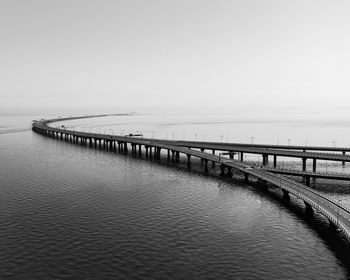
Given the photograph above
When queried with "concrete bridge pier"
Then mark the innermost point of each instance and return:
(231, 154)
(242, 156)
(146, 147)
(304, 163)
(140, 150)
(307, 180)
(189, 161)
(125, 147)
(265, 159)
(246, 177)
(110, 145)
(274, 161)
(168, 155)
(206, 170)
(308, 209)
(314, 165)
(177, 156)
(343, 162)
(202, 160)
(158, 152)
(286, 196)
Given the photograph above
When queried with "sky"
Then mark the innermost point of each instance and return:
(160, 53)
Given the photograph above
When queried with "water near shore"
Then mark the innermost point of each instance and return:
(70, 212)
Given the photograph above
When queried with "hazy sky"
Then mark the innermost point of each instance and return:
(198, 53)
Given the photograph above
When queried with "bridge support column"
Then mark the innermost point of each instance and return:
(168, 156)
(308, 209)
(265, 159)
(231, 154)
(307, 180)
(274, 161)
(172, 156)
(125, 147)
(304, 164)
(343, 162)
(213, 163)
(202, 150)
(146, 147)
(188, 160)
(246, 177)
(286, 196)
(314, 165)
(177, 156)
(140, 150)
(242, 155)
(206, 170)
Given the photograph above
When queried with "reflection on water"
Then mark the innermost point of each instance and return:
(70, 212)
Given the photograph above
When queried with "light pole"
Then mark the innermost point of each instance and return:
(288, 141)
(252, 139)
(221, 137)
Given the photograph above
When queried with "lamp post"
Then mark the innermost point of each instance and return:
(252, 139)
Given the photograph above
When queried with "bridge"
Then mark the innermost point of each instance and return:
(338, 214)
(265, 152)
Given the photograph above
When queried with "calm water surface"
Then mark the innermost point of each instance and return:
(70, 212)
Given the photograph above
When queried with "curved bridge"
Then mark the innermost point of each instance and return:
(337, 213)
